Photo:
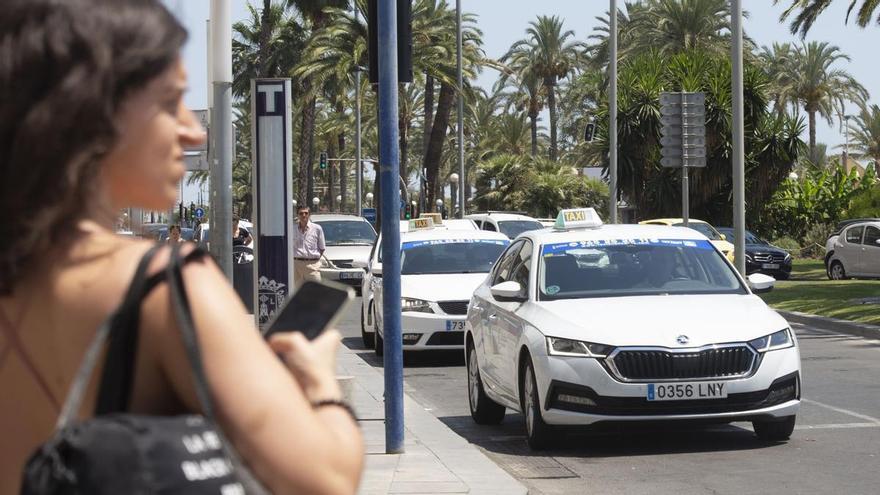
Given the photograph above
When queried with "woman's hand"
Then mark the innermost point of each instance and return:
(313, 363)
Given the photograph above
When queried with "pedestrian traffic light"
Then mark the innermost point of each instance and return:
(322, 160)
(588, 132)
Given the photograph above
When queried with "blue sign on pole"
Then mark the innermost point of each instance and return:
(402, 204)
(369, 215)
(200, 213)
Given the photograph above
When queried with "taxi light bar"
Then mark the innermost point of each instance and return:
(436, 217)
(577, 218)
(421, 224)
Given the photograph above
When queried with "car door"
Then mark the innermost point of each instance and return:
(849, 248)
(488, 308)
(510, 325)
(869, 257)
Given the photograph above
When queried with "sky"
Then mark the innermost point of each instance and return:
(505, 21)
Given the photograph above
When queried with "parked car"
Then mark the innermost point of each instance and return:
(829, 243)
(717, 238)
(761, 256)
(855, 252)
(348, 239)
(508, 223)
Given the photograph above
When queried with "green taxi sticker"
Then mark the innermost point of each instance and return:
(553, 289)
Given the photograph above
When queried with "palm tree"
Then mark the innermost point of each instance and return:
(268, 44)
(527, 95)
(672, 26)
(548, 53)
(819, 87)
(865, 129)
(778, 62)
(809, 11)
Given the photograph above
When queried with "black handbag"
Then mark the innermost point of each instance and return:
(119, 453)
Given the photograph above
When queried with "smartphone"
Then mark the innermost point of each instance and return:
(314, 307)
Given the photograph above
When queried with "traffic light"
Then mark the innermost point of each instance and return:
(588, 132)
(322, 160)
(407, 212)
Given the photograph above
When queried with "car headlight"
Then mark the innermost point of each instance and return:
(415, 305)
(566, 347)
(787, 257)
(748, 257)
(778, 340)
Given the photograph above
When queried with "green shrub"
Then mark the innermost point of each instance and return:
(866, 204)
(814, 240)
(789, 245)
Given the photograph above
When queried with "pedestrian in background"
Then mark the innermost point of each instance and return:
(92, 121)
(174, 235)
(308, 247)
(240, 235)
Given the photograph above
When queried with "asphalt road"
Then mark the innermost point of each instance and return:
(834, 449)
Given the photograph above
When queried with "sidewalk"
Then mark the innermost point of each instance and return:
(436, 459)
(832, 324)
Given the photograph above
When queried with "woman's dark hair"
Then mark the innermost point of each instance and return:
(66, 66)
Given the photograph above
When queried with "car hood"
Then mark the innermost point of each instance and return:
(655, 320)
(763, 248)
(447, 287)
(361, 253)
(724, 246)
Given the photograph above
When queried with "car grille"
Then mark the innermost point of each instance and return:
(657, 364)
(446, 338)
(454, 307)
(342, 263)
(768, 257)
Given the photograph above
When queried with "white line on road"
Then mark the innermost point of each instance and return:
(837, 426)
(844, 411)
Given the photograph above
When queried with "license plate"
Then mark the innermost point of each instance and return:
(687, 391)
(454, 325)
(770, 266)
(350, 275)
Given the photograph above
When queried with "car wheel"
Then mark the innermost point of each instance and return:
(378, 341)
(774, 431)
(836, 271)
(539, 434)
(366, 336)
(484, 410)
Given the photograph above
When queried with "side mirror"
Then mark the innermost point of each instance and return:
(376, 270)
(723, 237)
(507, 291)
(760, 283)
(877, 242)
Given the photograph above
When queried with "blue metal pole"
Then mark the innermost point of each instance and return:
(389, 172)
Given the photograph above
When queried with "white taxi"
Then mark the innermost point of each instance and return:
(369, 281)
(588, 323)
(439, 270)
(348, 239)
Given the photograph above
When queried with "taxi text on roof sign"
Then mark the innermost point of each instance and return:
(438, 218)
(421, 224)
(577, 218)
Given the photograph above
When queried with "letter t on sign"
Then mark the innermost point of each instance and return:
(270, 91)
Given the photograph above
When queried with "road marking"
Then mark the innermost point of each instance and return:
(844, 411)
(837, 426)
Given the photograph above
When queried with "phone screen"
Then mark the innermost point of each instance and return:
(312, 308)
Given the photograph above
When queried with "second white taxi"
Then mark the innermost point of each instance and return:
(439, 270)
(588, 323)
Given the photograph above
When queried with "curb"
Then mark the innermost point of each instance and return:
(833, 324)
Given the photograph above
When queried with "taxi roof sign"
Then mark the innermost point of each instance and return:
(436, 217)
(577, 218)
(421, 224)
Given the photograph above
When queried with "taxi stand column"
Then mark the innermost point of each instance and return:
(389, 171)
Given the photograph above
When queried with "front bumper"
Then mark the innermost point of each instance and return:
(771, 391)
(784, 268)
(428, 332)
(347, 276)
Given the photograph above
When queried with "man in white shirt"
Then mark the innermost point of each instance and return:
(308, 247)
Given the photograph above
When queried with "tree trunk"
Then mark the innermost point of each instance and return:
(533, 123)
(429, 110)
(812, 117)
(403, 126)
(434, 152)
(551, 104)
(265, 33)
(343, 182)
(306, 151)
(331, 191)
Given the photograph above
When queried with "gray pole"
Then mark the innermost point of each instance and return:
(612, 115)
(359, 167)
(221, 127)
(461, 177)
(739, 214)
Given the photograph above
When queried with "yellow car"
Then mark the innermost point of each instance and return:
(718, 239)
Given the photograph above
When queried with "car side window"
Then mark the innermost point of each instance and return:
(521, 271)
(872, 235)
(488, 226)
(506, 264)
(854, 235)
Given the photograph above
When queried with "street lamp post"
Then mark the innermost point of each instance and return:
(439, 204)
(370, 199)
(612, 116)
(460, 198)
(738, 151)
(453, 190)
(315, 203)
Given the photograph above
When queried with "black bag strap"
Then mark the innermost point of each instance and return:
(117, 380)
(78, 388)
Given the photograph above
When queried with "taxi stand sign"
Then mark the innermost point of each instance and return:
(577, 218)
(421, 224)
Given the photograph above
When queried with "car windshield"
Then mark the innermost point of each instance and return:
(438, 256)
(633, 267)
(703, 228)
(347, 233)
(513, 228)
(750, 237)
